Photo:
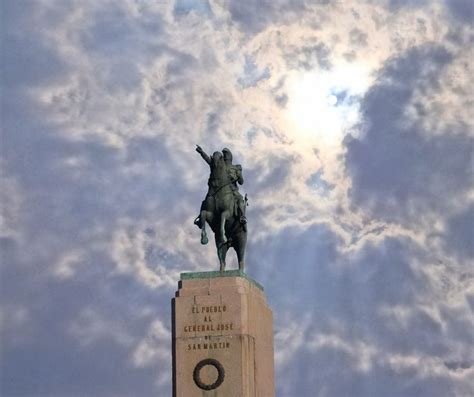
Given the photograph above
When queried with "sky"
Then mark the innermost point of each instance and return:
(353, 122)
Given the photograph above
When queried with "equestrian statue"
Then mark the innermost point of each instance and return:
(224, 207)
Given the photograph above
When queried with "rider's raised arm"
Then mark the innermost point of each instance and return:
(206, 158)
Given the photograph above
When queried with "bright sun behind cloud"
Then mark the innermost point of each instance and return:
(323, 105)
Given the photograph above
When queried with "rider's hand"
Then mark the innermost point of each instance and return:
(198, 149)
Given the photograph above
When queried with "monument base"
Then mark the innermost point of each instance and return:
(222, 337)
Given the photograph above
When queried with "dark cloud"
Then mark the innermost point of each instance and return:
(459, 238)
(458, 365)
(397, 169)
(344, 295)
(251, 74)
(380, 275)
(396, 4)
(110, 30)
(316, 247)
(73, 194)
(318, 183)
(181, 62)
(358, 37)
(310, 57)
(213, 122)
(61, 212)
(271, 173)
(51, 360)
(26, 61)
(463, 10)
(280, 96)
(63, 209)
(254, 16)
(281, 100)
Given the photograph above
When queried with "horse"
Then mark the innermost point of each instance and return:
(220, 212)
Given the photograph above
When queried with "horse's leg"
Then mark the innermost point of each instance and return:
(204, 218)
(240, 249)
(224, 215)
(221, 251)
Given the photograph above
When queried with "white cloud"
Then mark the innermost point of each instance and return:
(155, 347)
(289, 338)
(361, 353)
(15, 320)
(11, 200)
(91, 326)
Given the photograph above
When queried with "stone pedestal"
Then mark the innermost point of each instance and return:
(222, 337)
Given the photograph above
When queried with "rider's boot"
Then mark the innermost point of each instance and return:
(243, 219)
(197, 221)
(243, 222)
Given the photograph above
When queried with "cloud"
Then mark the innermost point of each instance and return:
(183, 7)
(155, 346)
(396, 169)
(316, 181)
(461, 9)
(77, 326)
(358, 37)
(254, 16)
(399, 327)
(310, 57)
(252, 75)
(362, 245)
(460, 234)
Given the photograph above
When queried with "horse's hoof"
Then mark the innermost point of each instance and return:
(204, 239)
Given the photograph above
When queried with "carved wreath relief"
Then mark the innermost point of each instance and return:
(197, 374)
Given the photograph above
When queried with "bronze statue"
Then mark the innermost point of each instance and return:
(224, 207)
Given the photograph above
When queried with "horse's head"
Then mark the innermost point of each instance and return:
(217, 158)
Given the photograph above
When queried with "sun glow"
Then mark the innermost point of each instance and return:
(323, 105)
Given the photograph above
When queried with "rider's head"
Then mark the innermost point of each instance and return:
(227, 155)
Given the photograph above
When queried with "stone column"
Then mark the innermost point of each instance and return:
(222, 337)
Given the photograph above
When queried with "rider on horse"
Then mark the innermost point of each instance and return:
(235, 175)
